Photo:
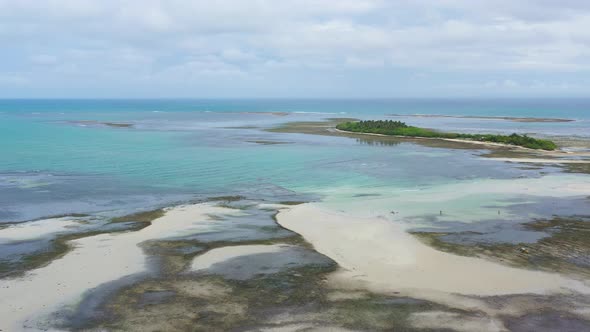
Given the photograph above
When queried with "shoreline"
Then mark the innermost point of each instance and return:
(30, 301)
(489, 144)
(541, 160)
(506, 118)
(443, 139)
(378, 255)
(373, 256)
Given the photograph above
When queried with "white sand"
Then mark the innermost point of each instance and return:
(378, 255)
(272, 206)
(543, 160)
(454, 321)
(556, 153)
(36, 229)
(26, 302)
(456, 140)
(218, 255)
(468, 201)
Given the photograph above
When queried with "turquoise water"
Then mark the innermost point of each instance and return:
(568, 108)
(51, 163)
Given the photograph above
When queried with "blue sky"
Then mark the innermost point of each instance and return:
(294, 48)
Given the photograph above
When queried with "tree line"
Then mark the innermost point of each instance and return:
(399, 128)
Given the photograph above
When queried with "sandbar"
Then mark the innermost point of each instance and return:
(379, 255)
(28, 302)
(506, 118)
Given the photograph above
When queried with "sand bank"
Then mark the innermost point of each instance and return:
(36, 229)
(543, 160)
(242, 262)
(220, 255)
(505, 118)
(379, 255)
(27, 303)
(454, 321)
(483, 144)
(468, 201)
(101, 123)
(268, 113)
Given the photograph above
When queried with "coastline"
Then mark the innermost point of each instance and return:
(542, 160)
(31, 300)
(559, 152)
(507, 118)
(379, 255)
(213, 264)
(376, 258)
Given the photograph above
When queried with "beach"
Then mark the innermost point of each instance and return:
(96, 260)
(276, 221)
(381, 256)
(295, 166)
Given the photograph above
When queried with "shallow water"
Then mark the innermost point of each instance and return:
(269, 259)
(66, 157)
(56, 161)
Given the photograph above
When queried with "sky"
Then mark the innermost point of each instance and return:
(294, 48)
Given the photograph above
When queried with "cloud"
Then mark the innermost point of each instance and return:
(43, 59)
(11, 79)
(265, 39)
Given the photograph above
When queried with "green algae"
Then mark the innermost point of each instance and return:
(117, 124)
(197, 305)
(140, 217)
(380, 313)
(309, 127)
(577, 168)
(291, 297)
(227, 306)
(60, 245)
(267, 142)
(296, 296)
(54, 216)
(580, 168)
(292, 202)
(242, 127)
(108, 124)
(565, 250)
(56, 249)
(233, 198)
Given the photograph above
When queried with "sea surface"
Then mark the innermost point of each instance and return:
(58, 157)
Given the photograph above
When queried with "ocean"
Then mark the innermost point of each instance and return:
(59, 158)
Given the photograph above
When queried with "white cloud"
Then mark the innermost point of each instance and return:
(43, 59)
(11, 79)
(258, 38)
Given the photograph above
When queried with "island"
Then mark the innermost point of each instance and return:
(399, 128)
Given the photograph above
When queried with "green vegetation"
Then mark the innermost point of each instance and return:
(398, 128)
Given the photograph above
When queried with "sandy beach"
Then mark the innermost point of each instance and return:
(505, 118)
(28, 302)
(555, 153)
(543, 160)
(295, 166)
(379, 255)
(36, 229)
(374, 255)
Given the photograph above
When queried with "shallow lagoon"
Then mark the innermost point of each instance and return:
(57, 163)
